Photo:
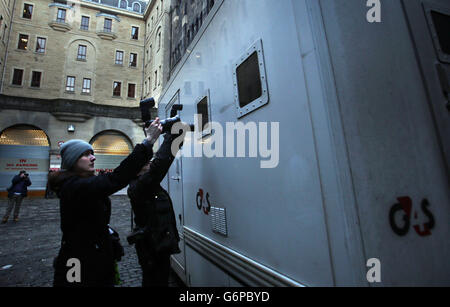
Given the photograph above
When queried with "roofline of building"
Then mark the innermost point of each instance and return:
(149, 7)
(111, 9)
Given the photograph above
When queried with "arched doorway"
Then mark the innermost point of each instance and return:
(24, 147)
(110, 148)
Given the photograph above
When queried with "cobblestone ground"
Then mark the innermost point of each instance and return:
(27, 248)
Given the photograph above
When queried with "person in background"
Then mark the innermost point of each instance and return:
(16, 193)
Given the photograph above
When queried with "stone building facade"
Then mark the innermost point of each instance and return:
(70, 70)
(78, 69)
(156, 68)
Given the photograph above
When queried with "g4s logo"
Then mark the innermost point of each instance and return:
(200, 203)
(404, 206)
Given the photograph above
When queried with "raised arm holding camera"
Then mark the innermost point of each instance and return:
(156, 235)
(86, 209)
(16, 193)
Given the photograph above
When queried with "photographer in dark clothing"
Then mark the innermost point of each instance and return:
(16, 193)
(86, 209)
(156, 235)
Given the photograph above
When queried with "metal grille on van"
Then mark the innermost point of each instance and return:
(219, 220)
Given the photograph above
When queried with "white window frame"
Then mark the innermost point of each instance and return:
(115, 57)
(40, 81)
(74, 84)
(89, 89)
(121, 87)
(128, 89)
(12, 76)
(32, 13)
(81, 22)
(28, 43)
(131, 34)
(57, 15)
(36, 42)
(129, 60)
(78, 53)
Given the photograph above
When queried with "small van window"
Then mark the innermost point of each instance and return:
(249, 80)
(442, 25)
(202, 109)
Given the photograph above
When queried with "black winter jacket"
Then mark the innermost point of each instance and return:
(19, 185)
(85, 214)
(153, 207)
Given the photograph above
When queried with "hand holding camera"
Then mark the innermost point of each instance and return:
(153, 131)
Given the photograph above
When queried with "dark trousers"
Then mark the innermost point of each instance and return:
(14, 202)
(157, 274)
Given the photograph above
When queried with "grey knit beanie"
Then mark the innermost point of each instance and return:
(71, 151)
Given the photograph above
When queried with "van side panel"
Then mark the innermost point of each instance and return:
(397, 168)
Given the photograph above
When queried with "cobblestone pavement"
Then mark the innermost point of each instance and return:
(27, 248)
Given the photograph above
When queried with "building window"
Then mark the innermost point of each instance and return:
(150, 56)
(131, 90)
(27, 11)
(134, 33)
(23, 42)
(84, 23)
(36, 79)
(160, 74)
(4, 33)
(107, 26)
(133, 59)
(81, 52)
(156, 79)
(136, 7)
(116, 89)
(17, 77)
(159, 39)
(70, 84)
(123, 4)
(40, 45)
(86, 86)
(203, 110)
(119, 57)
(61, 17)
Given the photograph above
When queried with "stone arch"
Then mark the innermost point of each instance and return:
(112, 135)
(110, 148)
(31, 134)
(80, 68)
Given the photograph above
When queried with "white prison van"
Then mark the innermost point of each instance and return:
(344, 178)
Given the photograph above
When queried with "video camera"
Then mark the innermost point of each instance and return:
(167, 123)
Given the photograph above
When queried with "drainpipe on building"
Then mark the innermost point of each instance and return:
(143, 66)
(7, 47)
(170, 38)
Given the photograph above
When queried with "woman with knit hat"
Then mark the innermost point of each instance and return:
(85, 209)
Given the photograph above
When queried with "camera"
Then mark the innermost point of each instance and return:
(167, 123)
